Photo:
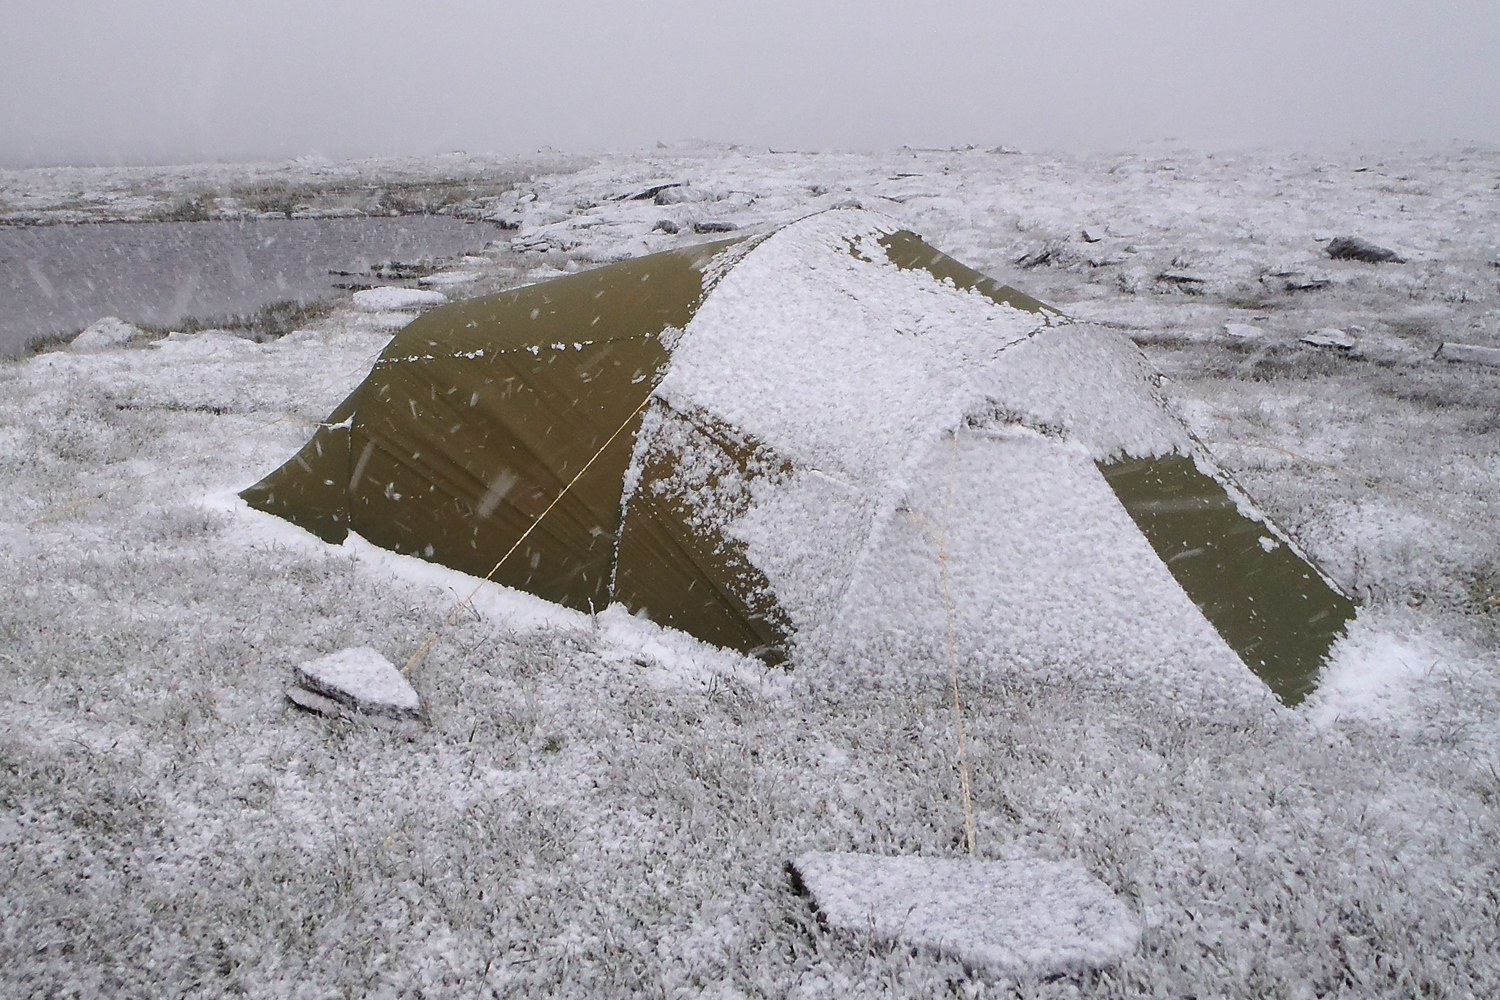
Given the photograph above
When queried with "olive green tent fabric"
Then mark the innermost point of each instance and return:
(1267, 602)
(480, 415)
(907, 250)
(674, 563)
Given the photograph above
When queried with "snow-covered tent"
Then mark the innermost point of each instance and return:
(777, 443)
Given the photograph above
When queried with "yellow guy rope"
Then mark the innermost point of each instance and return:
(958, 715)
(432, 638)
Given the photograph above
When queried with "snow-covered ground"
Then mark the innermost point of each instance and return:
(308, 187)
(602, 807)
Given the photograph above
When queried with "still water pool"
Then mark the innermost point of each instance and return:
(58, 279)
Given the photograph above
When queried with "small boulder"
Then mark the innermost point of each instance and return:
(360, 679)
(387, 298)
(666, 226)
(1050, 255)
(1472, 353)
(648, 192)
(1188, 281)
(102, 334)
(681, 194)
(1286, 279)
(1329, 337)
(1354, 248)
(1309, 282)
(451, 278)
(714, 227)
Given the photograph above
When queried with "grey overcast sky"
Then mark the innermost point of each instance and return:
(161, 81)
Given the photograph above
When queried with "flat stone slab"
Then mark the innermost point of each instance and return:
(363, 680)
(450, 278)
(1329, 337)
(382, 299)
(1030, 918)
(316, 703)
(1243, 331)
(1472, 353)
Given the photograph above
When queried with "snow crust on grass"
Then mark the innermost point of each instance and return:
(206, 343)
(1378, 675)
(1034, 918)
(573, 823)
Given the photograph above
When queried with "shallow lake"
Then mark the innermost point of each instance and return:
(58, 279)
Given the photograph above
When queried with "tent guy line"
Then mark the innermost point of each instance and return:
(940, 542)
(432, 638)
(958, 715)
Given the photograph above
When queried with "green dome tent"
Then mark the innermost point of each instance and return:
(767, 442)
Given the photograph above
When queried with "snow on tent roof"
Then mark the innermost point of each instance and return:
(813, 415)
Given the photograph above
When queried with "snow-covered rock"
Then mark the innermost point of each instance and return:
(1243, 331)
(450, 278)
(363, 680)
(1329, 337)
(204, 344)
(102, 334)
(1036, 918)
(681, 194)
(648, 191)
(1472, 353)
(384, 299)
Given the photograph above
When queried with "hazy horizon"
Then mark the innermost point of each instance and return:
(170, 82)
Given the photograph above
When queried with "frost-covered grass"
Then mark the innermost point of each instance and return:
(602, 808)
